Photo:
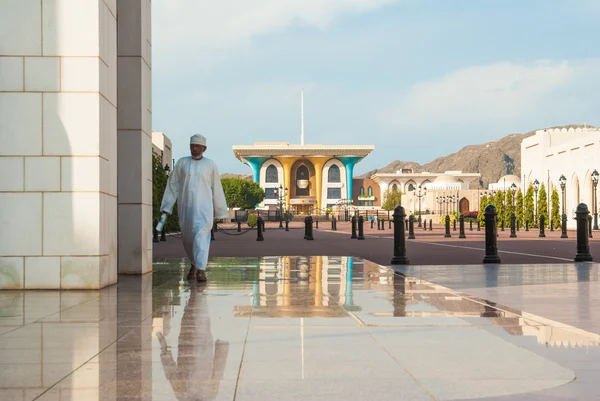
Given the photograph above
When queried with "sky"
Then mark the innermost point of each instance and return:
(417, 79)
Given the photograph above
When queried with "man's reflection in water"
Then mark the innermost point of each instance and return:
(200, 360)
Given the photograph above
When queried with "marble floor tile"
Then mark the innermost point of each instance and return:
(349, 329)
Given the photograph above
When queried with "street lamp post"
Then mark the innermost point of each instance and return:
(563, 184)
(595, 176)
(536, 188)
(513, 189)
(281, 195)
(167, 169)
(420, 196)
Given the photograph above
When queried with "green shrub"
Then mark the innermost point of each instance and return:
(252, 220)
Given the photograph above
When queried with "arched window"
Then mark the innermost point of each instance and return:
(394, 187)
(370, 193)
(361, 193)
(334, 174)
(302, 181)
(411, 187)
(272, 174)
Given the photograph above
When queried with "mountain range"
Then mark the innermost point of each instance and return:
(491, 159)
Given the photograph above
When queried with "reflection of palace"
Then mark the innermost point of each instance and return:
(301, 286)
(317, 176)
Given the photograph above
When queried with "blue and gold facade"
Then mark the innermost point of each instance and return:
(317, 176)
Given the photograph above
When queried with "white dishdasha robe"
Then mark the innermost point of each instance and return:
(196, 185)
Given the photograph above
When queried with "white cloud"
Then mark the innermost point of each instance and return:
(430, 119)
(215, 24)
(497, 95)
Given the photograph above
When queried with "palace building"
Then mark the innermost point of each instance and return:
(315, 176)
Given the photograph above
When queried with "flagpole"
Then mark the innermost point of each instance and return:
(302, 117)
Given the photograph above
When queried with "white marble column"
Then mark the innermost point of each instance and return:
(58, 111)
(134, 136)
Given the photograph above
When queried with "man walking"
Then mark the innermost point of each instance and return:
(196, 184)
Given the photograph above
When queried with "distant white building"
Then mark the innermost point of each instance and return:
(426, 190)
(504, 183)
(572, 153)
(161, 144)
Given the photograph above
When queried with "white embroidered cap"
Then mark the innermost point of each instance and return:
(198, 140)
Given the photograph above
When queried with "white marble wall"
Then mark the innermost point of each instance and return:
(135, 136)
(573, 153)
(58, 114)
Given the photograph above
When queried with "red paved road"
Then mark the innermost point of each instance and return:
(429, 248)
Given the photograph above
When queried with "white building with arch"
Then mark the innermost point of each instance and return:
(572, 152)
(453, 184)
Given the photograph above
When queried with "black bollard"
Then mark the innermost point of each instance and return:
(154, 232)
(491, 241)
(361, 222)
(583, 241)
(317, 224)
(389, 223)
(526, 225)
(517, 225)
(424, 224)
(239, 226)
(353, 236)
(259, 231)
(471, 225)
(309, 237)
(478, 225)
(378, 224)
(406, 222)
(333, 224)
(513, 220)
(564, 226)
(306, 227)
(454, 225)
(502, 225)
(411, 227)
(447, 235)
(399, 257)
(430, 224)
(542, 226)
(551, 225)
(461, 226)
(589, 226)
(372, 221)
(287, 222)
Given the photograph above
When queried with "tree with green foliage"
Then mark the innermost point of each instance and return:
(529, 206)
(159, 184)
(509, 207)
(500, 207)
(242, 193)
(391, 199)
(482, 206)
(542, 205)
(519, 209)
(556, 217)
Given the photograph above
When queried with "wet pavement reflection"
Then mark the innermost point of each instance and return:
(306, 328)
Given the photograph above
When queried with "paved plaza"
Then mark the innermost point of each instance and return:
(428, 248)
(309, 328)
